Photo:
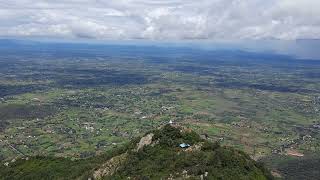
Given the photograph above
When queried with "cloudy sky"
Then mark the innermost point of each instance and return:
(161, 19)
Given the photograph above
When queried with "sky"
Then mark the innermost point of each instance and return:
(161, 19)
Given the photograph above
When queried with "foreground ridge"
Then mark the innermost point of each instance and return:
(170, 152)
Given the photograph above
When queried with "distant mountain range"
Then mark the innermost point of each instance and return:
(302, 49)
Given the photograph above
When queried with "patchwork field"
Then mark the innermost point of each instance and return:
(81, 105)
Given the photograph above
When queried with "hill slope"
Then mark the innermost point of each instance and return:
(156, 155)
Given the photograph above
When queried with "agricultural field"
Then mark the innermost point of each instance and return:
(79, 102)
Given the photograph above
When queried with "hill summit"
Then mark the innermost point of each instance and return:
(170, 152)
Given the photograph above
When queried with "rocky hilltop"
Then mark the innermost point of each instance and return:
(170, 152)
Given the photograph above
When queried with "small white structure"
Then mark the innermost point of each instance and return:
(170, 122)
(184, 145)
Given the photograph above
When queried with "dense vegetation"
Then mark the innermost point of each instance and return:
(161, 158)
(203, 158)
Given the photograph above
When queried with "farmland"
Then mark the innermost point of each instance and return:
(80, 103)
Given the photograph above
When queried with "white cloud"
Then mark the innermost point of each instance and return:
(161, 19)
